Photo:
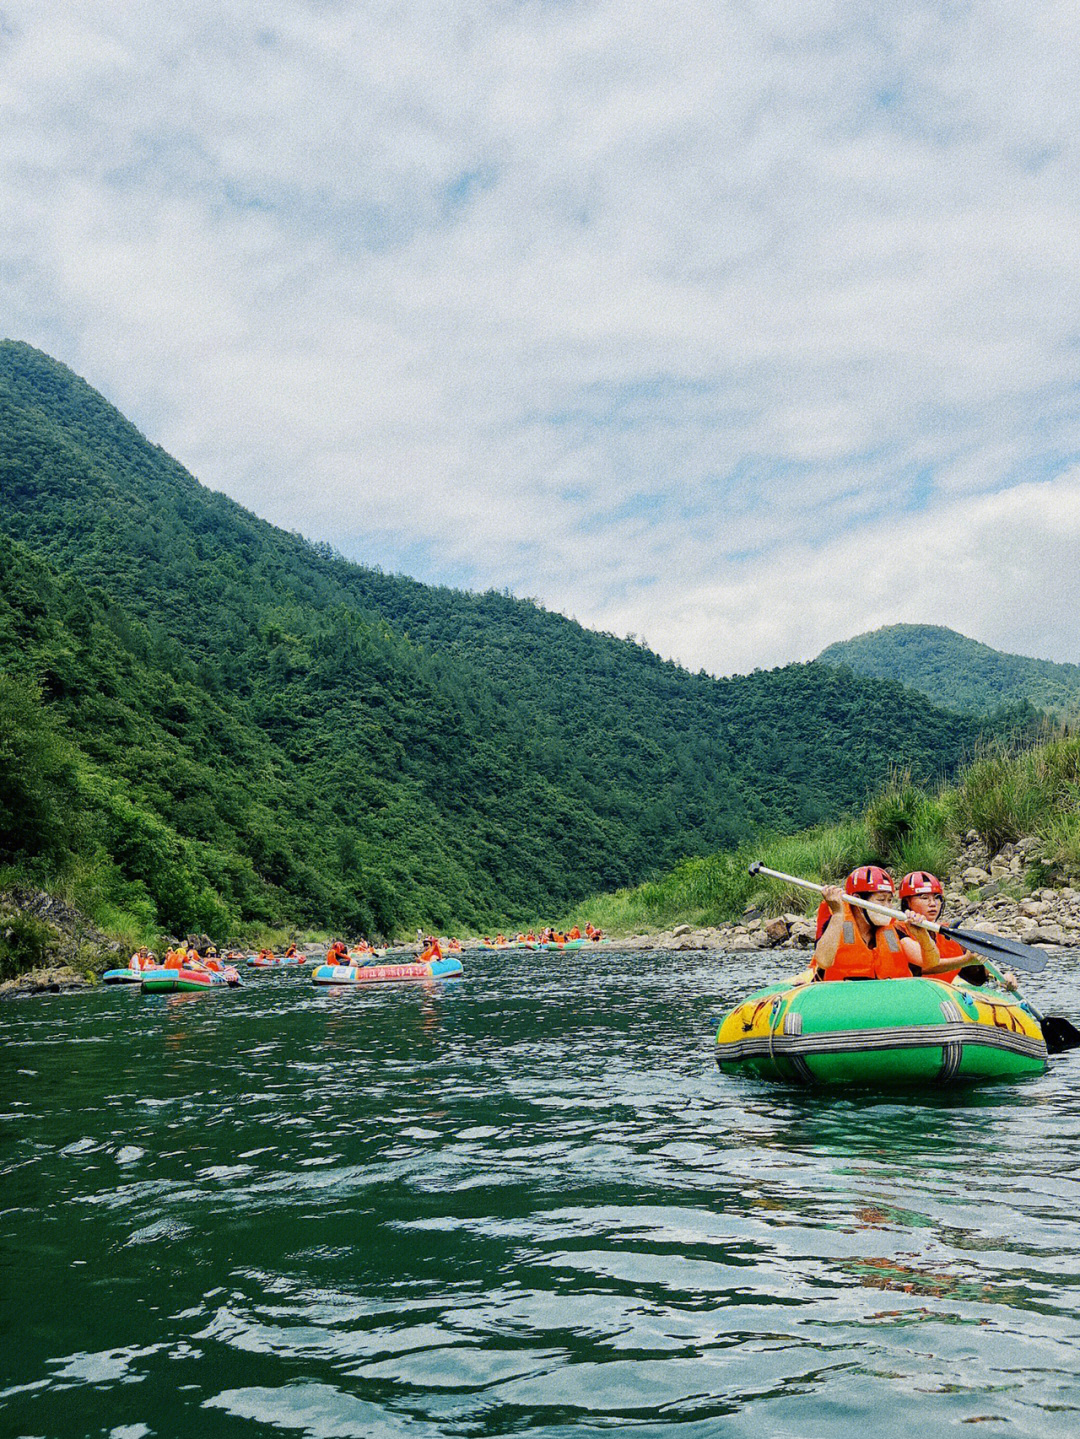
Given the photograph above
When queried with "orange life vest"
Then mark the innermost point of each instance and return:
(948, 949)
(575, 933)
(855, 959)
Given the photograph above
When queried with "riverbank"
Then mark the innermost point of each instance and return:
(998, 894)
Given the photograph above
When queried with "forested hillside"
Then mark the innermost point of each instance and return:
(211, 699)
(958, 673)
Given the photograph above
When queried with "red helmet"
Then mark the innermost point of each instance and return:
(920, 882)
(868, 879)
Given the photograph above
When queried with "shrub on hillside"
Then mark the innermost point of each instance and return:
(26, 942)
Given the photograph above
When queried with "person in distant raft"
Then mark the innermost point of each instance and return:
(921, 893)
(856, 945)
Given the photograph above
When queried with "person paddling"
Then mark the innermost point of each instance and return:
(922, 894)
(854, 944)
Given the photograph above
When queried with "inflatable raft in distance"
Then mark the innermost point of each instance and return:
(170, 981)
(376, 973)
(122, 976)
(889, 1032)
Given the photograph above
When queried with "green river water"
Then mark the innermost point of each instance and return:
(523, 1202)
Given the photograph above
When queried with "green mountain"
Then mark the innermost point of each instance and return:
(958, 673)
(217, 722)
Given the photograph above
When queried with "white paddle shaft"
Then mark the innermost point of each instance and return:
(867, 904)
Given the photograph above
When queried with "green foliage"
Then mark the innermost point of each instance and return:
(26, 942)
(36, 777)
(208, 723)
(958, 673)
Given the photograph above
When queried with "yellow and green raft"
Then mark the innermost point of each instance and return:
(890, 1032)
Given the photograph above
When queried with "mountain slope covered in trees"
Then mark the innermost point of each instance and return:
(305, 738)
(958, 673)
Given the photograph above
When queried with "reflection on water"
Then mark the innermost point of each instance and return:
(523, 1202)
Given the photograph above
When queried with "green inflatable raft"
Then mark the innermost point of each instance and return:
(888, 1032)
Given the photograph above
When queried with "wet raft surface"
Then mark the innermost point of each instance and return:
(520, 1203)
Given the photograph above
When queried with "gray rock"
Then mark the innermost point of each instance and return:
(1047, 934)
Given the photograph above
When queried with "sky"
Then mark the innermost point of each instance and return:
(741, 327)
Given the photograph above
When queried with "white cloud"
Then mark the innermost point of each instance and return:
(644, 310)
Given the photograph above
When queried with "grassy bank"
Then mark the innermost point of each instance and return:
(1003, 797)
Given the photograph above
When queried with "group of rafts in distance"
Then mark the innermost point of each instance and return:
(891, 996)
(187, 968)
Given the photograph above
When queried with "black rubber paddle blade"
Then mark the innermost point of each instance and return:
(1059, 1034)
(996, 946)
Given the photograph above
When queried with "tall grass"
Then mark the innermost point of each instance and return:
(1001, 796)
(1036, 792)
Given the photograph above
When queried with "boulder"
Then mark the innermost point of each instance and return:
(680, 929)
(776, 931)
(1046, 934)
(974, 875)
(743, 940)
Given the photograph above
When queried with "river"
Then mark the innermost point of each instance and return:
(523, 1202)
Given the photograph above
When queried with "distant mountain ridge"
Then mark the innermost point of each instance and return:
(958, 673)
(294, 736)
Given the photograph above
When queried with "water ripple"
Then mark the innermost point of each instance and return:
(521, 1203)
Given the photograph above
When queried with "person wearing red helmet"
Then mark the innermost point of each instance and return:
(921, 894)
(858, 945)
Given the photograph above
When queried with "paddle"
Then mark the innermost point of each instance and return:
(992, 946)
(1060, 1033)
